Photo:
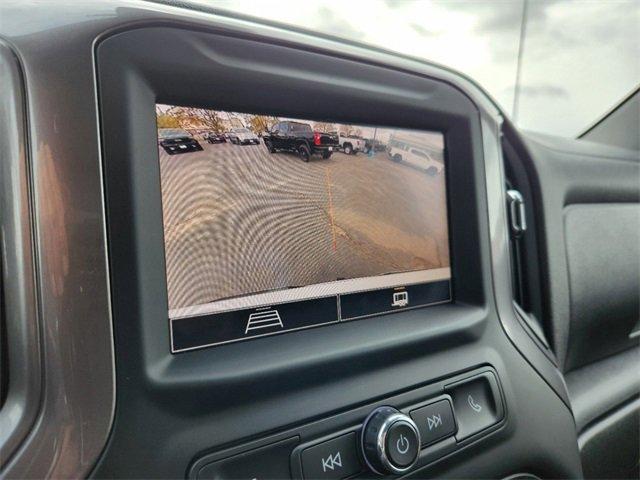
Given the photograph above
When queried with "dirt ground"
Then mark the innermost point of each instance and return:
(239, 220)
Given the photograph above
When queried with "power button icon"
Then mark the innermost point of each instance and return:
(402, 444)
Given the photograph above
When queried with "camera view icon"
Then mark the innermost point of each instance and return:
(400, 299)
(263, 319)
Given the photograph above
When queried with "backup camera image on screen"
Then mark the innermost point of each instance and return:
(266, 218)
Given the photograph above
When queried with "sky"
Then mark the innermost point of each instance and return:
(579, 57)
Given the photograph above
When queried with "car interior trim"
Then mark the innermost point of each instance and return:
(17, 259)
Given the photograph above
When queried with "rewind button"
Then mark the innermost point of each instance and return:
(334, 459)
(332, 462)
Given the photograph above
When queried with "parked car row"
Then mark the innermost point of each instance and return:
(237, 136)
(300, 138)
(177, 140)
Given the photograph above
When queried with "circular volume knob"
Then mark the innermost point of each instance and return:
(390, 441)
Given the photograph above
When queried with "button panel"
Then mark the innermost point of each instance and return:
(334, 459)
(393, 436)
(435, 421)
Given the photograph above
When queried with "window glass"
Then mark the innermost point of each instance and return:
(577, 58)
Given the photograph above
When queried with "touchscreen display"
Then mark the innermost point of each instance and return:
(274, 224)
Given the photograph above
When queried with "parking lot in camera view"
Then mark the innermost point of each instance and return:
(240, 220)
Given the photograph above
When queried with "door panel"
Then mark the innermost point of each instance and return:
(603, 248)
(587, 213)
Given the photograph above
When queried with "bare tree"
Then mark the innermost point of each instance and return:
(261, 123)
(198, 118)
(350, 130)
(167, 121)
(324, 127)
(208, 118)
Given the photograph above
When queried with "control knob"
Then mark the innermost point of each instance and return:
(390, 441)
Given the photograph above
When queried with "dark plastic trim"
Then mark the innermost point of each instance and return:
(21, 329)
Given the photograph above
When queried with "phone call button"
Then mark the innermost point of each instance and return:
(476, 403)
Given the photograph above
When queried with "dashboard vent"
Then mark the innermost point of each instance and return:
(525, 260)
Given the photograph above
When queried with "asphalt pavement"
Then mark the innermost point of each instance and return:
(240, 220)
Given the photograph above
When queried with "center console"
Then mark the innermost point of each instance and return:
(398, 435)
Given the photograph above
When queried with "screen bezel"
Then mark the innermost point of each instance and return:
(137, 82)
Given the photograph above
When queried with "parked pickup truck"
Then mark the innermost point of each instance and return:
(300, 138)
(350, 144)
